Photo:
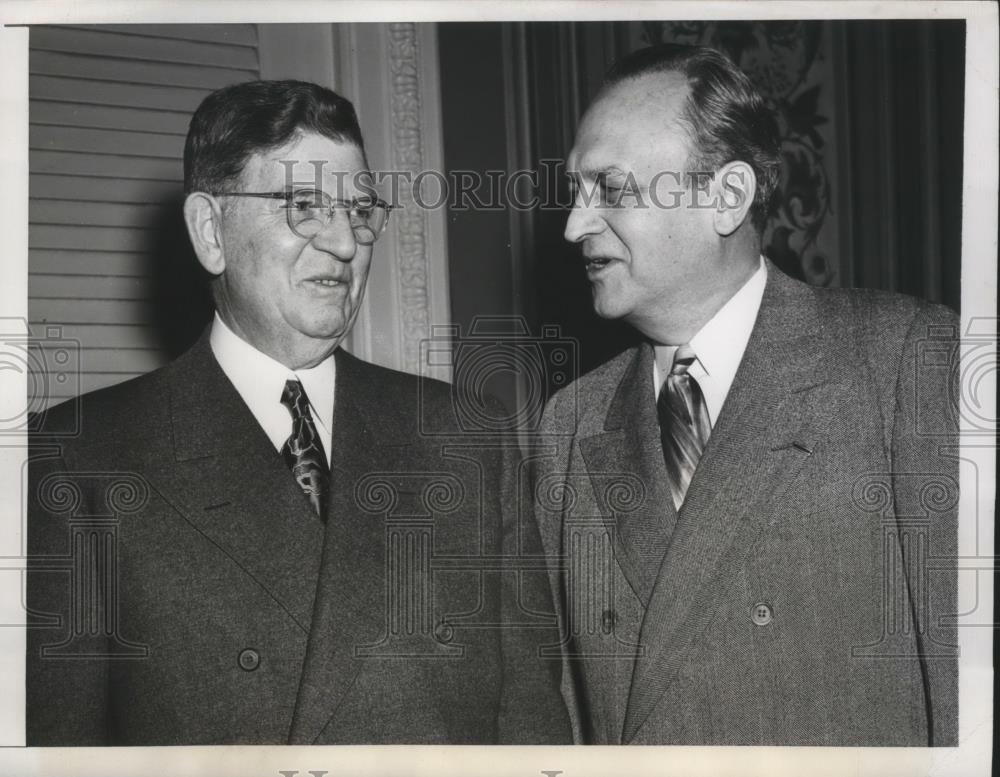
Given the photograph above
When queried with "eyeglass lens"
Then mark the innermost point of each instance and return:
(309, 211)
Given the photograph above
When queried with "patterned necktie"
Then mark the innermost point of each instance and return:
(303, 451)
(684, 423)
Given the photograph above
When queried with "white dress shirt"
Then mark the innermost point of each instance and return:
(719, 345)
(260, 380)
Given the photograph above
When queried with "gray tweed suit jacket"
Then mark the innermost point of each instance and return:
(802, 594)
(182, 591)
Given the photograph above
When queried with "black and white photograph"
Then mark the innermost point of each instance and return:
(612, 374)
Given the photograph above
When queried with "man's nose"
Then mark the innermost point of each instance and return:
(583, 221)
(337, 237)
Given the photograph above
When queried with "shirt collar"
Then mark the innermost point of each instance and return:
(259, 379)
(720, 343)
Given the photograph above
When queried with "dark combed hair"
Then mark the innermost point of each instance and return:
(726, 116)
(238, 121)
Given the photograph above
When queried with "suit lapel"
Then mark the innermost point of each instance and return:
(764, 434)
(629, 450)
(234, 487)
(350, 608)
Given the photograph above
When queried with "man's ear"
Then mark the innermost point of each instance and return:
(736, 186)
(203, 217)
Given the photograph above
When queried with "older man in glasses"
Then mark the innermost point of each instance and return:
(269, 579)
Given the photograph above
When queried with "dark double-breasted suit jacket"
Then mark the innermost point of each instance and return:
(181, 590)
(802, 594)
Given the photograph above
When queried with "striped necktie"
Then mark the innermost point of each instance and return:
(684, 423)
(303, 451)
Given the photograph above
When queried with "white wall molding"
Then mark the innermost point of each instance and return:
(390, 72)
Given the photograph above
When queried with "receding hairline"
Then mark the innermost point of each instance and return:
(674, 112)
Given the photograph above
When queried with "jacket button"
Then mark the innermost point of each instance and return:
(608, 618)
(249, 659)
(761, 614)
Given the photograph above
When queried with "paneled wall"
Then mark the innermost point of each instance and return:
(108, 257)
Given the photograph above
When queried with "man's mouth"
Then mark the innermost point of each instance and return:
(325, 281)
(597, 263)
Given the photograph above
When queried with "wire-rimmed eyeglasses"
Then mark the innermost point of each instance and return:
(309, 211)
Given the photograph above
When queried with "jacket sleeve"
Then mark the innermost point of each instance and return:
(925, 456)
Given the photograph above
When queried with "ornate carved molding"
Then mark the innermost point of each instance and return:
(390, 72)
(408, 155)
